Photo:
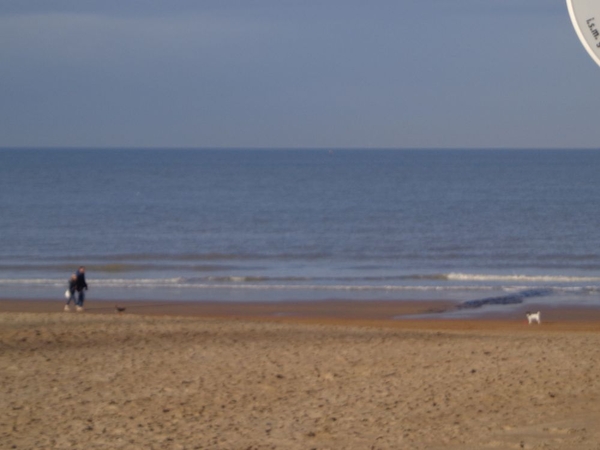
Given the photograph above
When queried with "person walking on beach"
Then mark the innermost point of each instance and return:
(80, 287)
(71, 291)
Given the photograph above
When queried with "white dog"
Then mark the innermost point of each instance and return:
(533, 317)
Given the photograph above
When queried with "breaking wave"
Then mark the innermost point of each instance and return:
(521, 278)
(299, 283)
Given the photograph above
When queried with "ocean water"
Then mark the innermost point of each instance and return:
(281, 225)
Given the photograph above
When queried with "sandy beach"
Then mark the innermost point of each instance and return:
(337, 376)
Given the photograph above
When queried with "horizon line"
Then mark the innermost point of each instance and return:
(274, 148)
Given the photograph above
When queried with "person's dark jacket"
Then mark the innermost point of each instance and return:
(80, 284)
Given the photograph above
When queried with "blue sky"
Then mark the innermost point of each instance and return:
(295, 74)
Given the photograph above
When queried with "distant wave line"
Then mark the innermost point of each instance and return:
(452, 277)
(523, 278)
(185, 257)
(183, 283)
(180, 283)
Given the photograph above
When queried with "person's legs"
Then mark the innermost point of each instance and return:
(71, 297)
(81, 298)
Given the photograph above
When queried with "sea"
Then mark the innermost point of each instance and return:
(484, 228)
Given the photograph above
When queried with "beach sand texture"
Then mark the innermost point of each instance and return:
(99, 381)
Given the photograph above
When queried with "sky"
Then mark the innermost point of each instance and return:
(295, 74)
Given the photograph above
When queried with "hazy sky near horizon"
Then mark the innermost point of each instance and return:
(304, 73)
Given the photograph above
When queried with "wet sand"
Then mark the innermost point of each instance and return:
(328, 375)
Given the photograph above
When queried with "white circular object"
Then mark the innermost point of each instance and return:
(585, 15)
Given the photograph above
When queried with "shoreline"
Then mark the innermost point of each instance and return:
(417, 314)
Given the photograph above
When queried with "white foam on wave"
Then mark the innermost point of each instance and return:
(237, 284)
(521, 278)
(246, 283)
(149, 282)
(334, 287)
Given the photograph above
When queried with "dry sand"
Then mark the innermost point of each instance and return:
(102, 380)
